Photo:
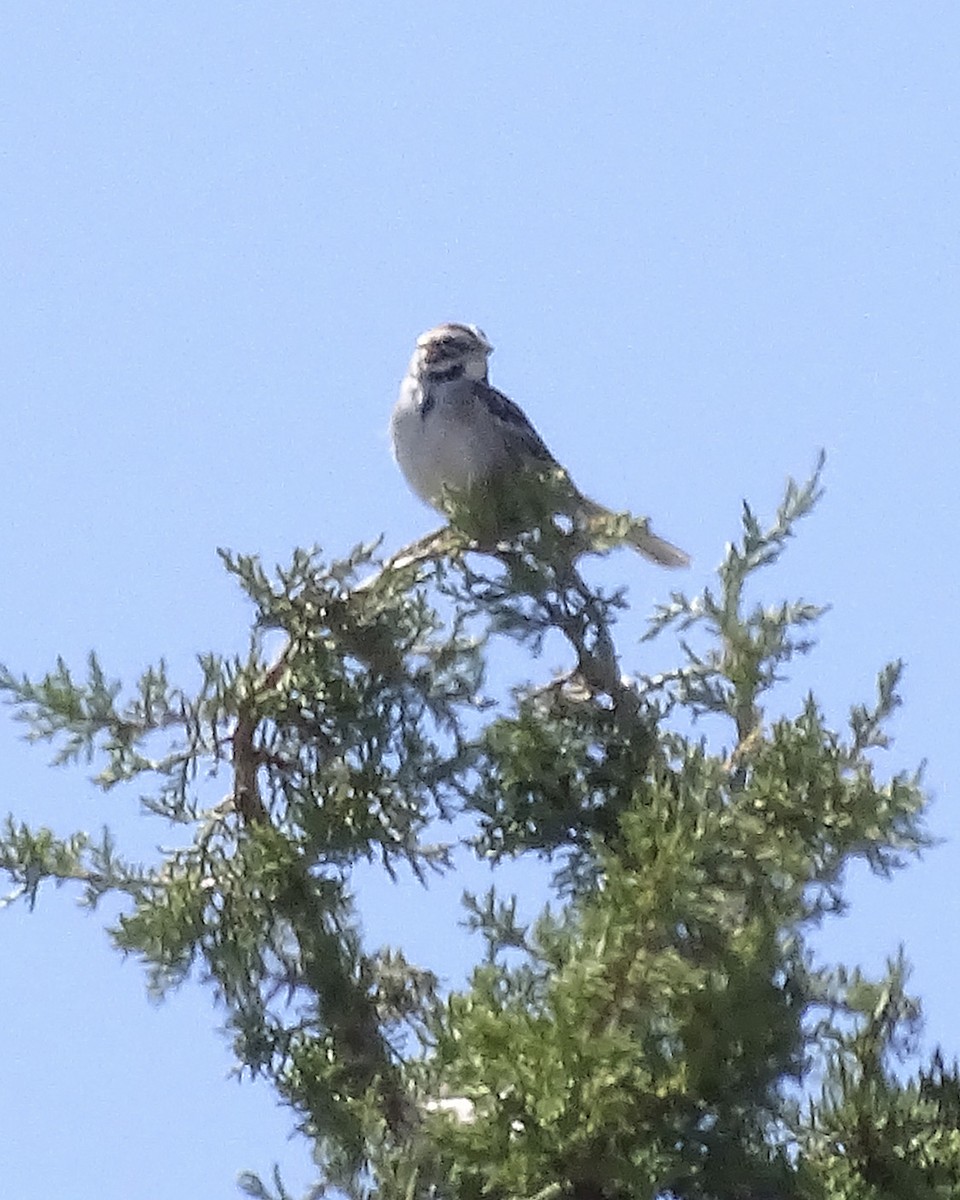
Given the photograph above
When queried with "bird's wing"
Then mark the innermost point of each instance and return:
(513, 420)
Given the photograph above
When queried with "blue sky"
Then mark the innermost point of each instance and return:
(705, 239)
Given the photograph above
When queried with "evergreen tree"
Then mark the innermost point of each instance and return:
(663, 1030)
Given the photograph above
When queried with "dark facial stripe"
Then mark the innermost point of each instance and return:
(440, 374)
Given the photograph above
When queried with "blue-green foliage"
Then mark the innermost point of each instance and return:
(650, 1034)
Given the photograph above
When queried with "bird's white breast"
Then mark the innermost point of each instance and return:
(451, 445)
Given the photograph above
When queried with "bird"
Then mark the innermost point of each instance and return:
(455, 436)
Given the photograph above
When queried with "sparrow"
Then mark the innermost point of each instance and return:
(454, 435)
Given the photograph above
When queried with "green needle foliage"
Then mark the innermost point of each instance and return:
(663, 1030)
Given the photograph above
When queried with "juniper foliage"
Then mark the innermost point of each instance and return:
(648, 1036)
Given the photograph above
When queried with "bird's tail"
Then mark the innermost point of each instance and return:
(638, 535)
(657, 549)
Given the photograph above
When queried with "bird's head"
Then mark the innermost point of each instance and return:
(451, 352)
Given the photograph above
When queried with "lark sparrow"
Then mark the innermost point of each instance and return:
(453, 432)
